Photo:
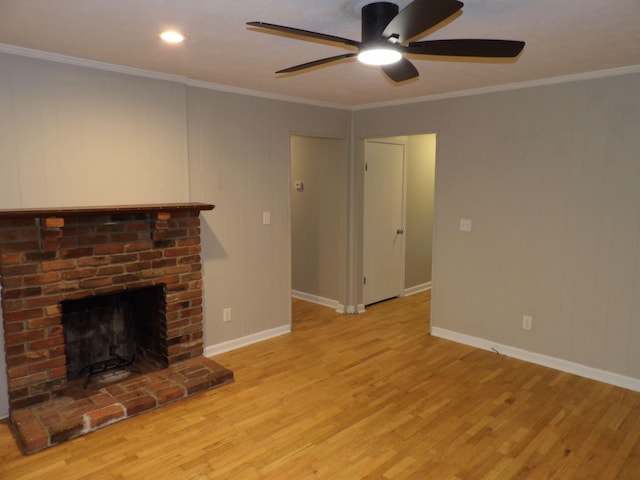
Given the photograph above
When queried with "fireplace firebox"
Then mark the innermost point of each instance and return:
(108, 337)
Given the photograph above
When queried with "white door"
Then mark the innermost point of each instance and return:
(383, 248)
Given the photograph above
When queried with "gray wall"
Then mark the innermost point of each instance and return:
(549, 177)
(68, 134)
(421, 158)
(239, 149)
(318, 217)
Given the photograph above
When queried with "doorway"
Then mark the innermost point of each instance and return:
(412, 234)
(318, 199)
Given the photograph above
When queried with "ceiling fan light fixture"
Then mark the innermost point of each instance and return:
(171, 36)
(379, 56)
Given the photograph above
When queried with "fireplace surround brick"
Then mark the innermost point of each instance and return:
(52, 255)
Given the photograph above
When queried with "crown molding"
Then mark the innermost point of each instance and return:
(56, 57)
(82, 62)
(612, 72)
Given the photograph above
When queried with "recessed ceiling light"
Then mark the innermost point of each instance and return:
(171, 36)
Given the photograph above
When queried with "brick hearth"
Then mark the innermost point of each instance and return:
(53, 255)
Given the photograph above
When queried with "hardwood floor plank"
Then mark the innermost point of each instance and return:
(369, 396)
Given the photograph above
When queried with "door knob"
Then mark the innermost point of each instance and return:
(400, 231)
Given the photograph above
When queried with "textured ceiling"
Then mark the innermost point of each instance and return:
(562, 38)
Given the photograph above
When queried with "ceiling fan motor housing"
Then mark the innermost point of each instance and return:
(375, 17)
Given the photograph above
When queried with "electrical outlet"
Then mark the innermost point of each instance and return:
(226, 315)
(465, 225)
(527, 322)
(266, 218)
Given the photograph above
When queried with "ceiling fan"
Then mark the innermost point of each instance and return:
(386, 31)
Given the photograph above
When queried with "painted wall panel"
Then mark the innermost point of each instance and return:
(239, 160)
(549, 177)
(318, 216)
(77, 136)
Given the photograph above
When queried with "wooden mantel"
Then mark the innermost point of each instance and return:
(103, 209)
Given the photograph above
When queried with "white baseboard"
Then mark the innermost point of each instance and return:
(244, 341)
(539, 359)
(325, 302)
(360, 308)
(423, 287)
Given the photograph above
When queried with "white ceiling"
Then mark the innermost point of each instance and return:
(563, 37)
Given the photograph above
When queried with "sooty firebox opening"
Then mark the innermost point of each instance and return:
(115, 334)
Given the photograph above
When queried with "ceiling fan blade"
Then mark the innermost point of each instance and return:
(400, 71)
(304, 33)
(418, 16)
(315, 63)
(467, 48)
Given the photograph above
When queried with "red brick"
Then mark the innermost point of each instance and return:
(138, 266)
(61, 287)
(23, 314)
(43, 322)
(176, 252)
(94, 261)
(43, 301)
(39, 256)
(79, 273)
(128, 258)
(58, 265)
(169, 394)
(76, 252)
(32, 435)
(47, 365)
(10, 258)
(54, 310)
(11, 305)
(163, 216)
(95, 282)
(65, 429)
(139, 404)
(138, 246)
(15, 270)
(27, 380)
(17, 223)
(40, 355)
(46, 343)
(182, 242)
(110, 270)
(102, 400)
(108, 249)
(13, 350)
(124, 237)
(16, 372)
(53, 222)
(98, 241)
(42, 279)
(125, 279)
(25, 336)
(150, 255)
(176, 270)
(20, 246)
(52, 235)
(15, 327)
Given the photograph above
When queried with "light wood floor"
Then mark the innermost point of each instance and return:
(364, 396)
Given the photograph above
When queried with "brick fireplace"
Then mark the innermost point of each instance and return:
(52, 258)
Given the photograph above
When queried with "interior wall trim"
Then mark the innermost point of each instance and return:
(246, 340)
(566, 366)
(326, 302)
(423, 287)
(612, 72)
(56, 57)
